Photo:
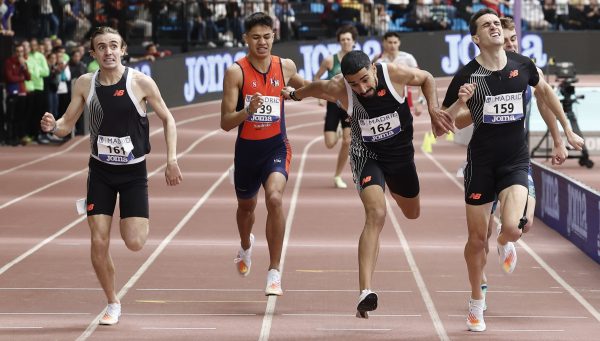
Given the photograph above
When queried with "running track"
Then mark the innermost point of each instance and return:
(183, 285)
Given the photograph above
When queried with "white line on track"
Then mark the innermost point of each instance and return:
(590, 308)
(179, 328)
(529, 330)
(94, 324)
(265, 329)
(435, 317)
(49, 156)
(352, 315)
(45, 314)
(503, 291)
(353, 329)
(215, 314)
(528, 316)
(65, 289)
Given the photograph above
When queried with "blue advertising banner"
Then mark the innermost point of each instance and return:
(569, 207)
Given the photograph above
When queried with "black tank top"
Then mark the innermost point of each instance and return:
(498, 109)
(119, 130)
(381, 125)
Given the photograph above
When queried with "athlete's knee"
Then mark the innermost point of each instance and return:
(330, 143)
(135, 243)
(413, 213)
(477, 240)
(375, 216)
(100, 244)
(511, 232)
(346, 140)
(246, 206)
(274, 200)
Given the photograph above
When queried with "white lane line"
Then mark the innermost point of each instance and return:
(159, 249)
(435, 318)
(40, 245)
(81, 218)
(502, 291)
(179, 328)
(141, 314)
(529, 330)
(65, 178)
(49, 156)
(45, 314)
(65, 289)
(353, 329)
(265, 329)
(534, 255)
(528, 316)
(352, 315)
(258, 290)
(94, 324)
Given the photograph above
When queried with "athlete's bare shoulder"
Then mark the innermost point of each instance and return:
(82, 84)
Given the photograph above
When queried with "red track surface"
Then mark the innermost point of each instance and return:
(183, 285)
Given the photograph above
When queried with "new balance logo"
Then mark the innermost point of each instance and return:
(119, 93)
(513, 74)
(475, 196)
(365, 180)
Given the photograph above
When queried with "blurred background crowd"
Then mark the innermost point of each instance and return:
(44, 43)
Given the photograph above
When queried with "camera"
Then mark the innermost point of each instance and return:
(565, 72)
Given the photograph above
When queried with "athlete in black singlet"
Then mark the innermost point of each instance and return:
(115, 99)
(381, 150)
(492, 87)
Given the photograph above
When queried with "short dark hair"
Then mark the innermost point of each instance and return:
(346, 29)
(105, 30)
(477, 15)
(257, 18)
(391, 34)
(354, 61)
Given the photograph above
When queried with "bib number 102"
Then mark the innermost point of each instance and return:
(380, 128)
(504, 108)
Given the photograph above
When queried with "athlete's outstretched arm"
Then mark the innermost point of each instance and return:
(441, 122)
(330, 90)
(152, 95)
(65, 124)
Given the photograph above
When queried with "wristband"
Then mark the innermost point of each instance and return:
(248, 113)
(293, 96)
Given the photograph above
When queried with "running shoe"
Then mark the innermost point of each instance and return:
(273, 283)
(484, 293)
(367, 301)
(508, 257)
(112, 314)
(243, 261)
(475, 322)
(338, 182)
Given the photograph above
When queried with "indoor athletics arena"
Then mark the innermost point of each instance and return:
(183, 284)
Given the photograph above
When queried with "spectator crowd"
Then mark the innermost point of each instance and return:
(44, 44)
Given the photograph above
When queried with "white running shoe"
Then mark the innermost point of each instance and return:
(508, 257)
(475, 322)
(338, 182)
(484, 293)
(367, 301)
(243, 261)
(112, 314)
(273, 283)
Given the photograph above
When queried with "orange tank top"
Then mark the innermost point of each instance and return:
(269, 119)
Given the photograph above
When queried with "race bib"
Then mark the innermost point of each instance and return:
(505, 108)
(115, 149)
(268, 112)
(380, 128)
